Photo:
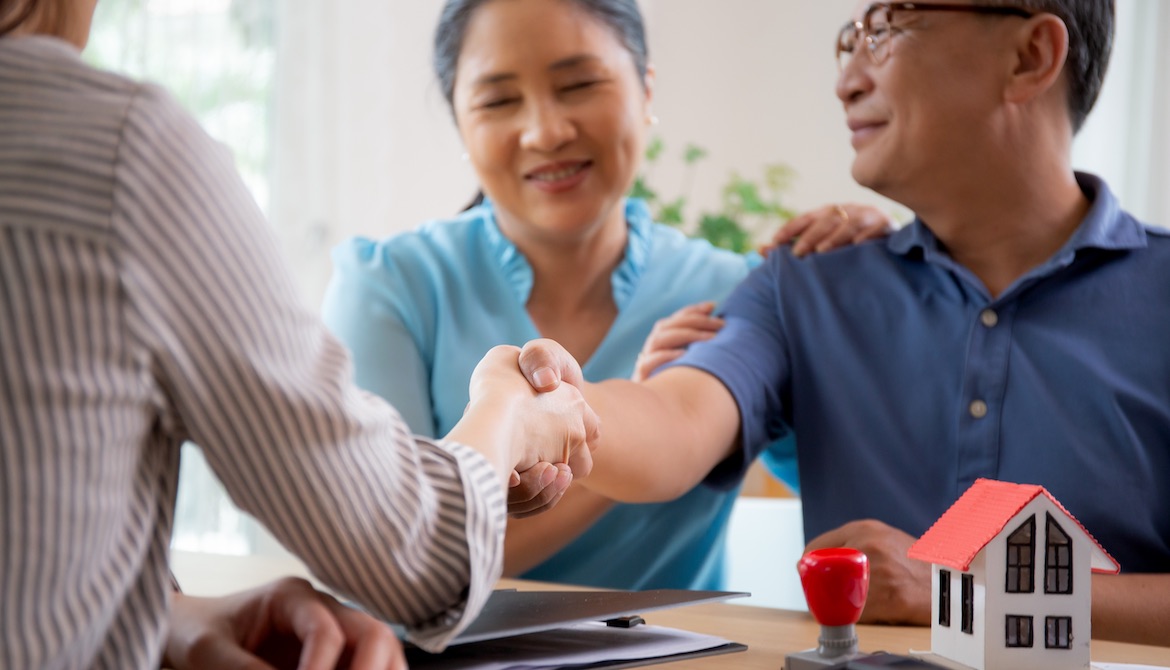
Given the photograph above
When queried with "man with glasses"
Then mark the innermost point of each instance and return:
(1015, 330)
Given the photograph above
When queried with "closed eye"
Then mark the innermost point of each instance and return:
(498, 102)
(581, 85)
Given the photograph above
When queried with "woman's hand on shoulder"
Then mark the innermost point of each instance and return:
(831, 227)
(671, 336)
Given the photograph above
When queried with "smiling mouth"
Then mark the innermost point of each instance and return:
(559, 173)
(860, 132)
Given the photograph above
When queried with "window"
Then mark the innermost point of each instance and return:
(968, 597)
(1058, 632)
(218, 58)
(1018, 631)
(1021, 550)
(1057, 560)
(944, 598)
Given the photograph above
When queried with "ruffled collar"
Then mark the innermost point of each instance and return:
(518, 272)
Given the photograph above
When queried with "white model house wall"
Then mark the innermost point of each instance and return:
(986, 646)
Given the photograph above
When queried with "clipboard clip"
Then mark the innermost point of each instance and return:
(625, 621)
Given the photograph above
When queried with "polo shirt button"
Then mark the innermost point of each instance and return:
(978, 409)
(989, 318)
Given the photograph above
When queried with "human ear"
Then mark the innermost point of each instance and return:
(648, 88)
(1040, 53)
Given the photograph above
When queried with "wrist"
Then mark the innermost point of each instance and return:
(489, 426)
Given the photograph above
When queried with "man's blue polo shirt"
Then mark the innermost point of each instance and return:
(905, 382)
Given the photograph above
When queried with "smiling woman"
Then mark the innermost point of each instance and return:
(553, 110)
(551, 99)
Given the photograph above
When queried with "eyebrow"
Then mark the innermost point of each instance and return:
(563, 64)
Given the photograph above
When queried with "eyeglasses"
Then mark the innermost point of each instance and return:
(875, 28)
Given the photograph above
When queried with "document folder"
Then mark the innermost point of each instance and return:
(559, 629)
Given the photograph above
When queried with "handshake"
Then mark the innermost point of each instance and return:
(538, 432)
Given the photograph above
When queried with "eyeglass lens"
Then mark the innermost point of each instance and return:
(873, 32)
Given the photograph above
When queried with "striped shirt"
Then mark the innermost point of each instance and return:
(143, 302)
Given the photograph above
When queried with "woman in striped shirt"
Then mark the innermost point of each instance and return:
(143, 303)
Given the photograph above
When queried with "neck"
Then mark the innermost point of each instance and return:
(572, 293)
(69, 23)
(1003, 242)
(574, 277)
(1004, 219)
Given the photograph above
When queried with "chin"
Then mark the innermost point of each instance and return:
(865, 175)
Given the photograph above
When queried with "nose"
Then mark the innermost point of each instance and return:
(854, 81)
(548, 127)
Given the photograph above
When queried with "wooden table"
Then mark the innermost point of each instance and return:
(770, 634)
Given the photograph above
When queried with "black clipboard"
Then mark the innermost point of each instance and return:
(510, 615)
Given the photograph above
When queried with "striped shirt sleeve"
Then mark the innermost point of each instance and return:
(410, 528)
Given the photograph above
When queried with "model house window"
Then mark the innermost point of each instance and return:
(1058, 560)
(968, 596)
(944, 598)
(1058, 632)
(1021, 548)
(1019, 631)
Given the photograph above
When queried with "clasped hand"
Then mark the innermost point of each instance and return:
(555, 428)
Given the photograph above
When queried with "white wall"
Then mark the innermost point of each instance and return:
(752, 81)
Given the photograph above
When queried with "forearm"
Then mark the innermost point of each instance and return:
(1132, 608)
(532, 540)
(661, 437)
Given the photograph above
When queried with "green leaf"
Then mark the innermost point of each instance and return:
(642, 190)
(723, 231)
(778, 176)
(654, 149)
(672, 213)
(743, 195)
(693, 154)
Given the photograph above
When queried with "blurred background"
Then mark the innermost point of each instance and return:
(339, 128)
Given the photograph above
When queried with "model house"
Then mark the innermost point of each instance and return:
(1011, 570)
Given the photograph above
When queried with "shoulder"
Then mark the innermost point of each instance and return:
(806, 284)
(435, 247)
(54, 79)
(863, 261)
(42, 70)
(1153, 260)
(1159, 238)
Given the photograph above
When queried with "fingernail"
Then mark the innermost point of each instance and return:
(544, 377)
(548, 476)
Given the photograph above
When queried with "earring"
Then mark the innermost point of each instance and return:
(466, 157)
(652, 120)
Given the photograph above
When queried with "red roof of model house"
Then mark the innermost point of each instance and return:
(978, 516)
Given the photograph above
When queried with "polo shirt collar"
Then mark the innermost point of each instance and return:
(1104, 227)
